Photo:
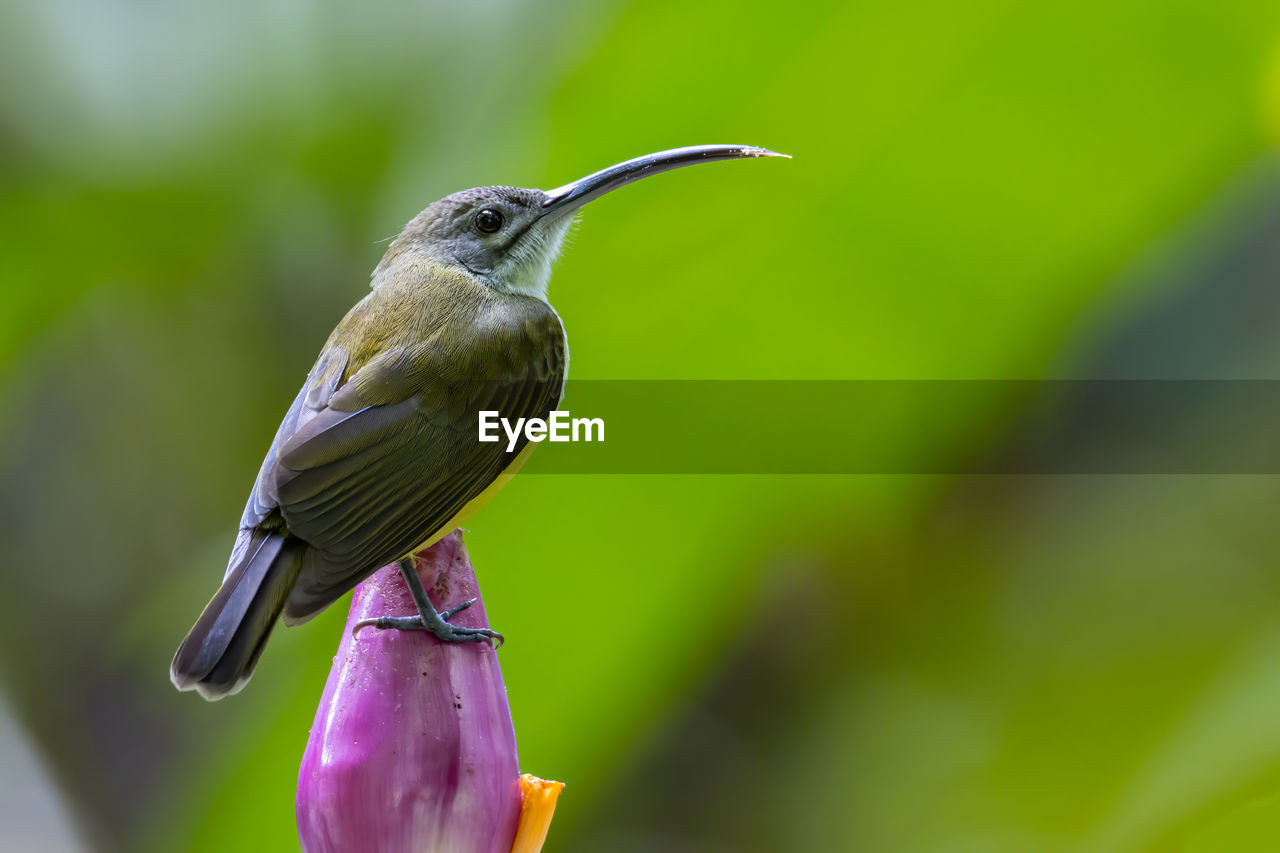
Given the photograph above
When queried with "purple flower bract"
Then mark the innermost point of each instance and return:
(412, 748)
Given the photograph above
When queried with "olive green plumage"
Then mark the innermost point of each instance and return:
(377, 465)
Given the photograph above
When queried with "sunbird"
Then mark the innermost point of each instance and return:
(379, 457)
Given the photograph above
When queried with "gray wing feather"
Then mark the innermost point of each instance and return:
(415, 471)
(310, 401)
(364, 484)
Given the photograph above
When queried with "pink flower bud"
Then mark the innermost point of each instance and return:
(412, 748)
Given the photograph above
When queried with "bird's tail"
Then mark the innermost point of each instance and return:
(219, 653)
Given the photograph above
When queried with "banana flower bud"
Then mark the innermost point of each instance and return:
(413, 748)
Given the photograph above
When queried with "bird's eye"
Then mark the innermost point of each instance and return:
(489, 220)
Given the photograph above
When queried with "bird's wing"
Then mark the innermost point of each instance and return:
(321, 383)
(394, 455)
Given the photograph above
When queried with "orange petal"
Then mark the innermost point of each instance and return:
(536, 811)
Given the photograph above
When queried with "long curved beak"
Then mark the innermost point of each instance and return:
(574, 195)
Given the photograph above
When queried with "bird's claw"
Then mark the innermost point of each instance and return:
(454, 611)
(400, 623)
(443, 630)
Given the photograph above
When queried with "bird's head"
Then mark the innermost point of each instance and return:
(508, 236)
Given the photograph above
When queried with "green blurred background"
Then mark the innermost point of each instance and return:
(191, 195)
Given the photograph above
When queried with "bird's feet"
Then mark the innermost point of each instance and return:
(439, 626)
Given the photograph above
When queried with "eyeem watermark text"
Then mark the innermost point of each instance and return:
(559, 427)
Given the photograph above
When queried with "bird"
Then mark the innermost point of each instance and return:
(378, 456)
